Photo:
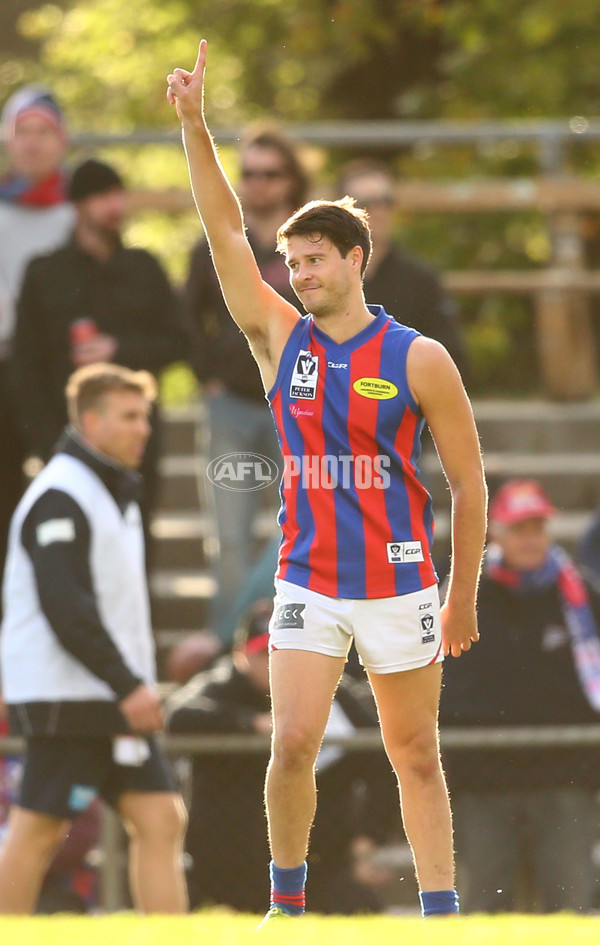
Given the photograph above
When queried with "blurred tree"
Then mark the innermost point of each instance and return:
(306, 60)
(311, 58)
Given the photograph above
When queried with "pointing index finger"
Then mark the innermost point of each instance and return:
(201, 59)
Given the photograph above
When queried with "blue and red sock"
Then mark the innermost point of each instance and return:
(439, 903)
(287, 888)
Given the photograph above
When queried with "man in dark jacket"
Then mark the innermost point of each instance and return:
(227, 836)
(537, 664)
(91, 300)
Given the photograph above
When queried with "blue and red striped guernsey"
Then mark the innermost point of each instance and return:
(356, 520)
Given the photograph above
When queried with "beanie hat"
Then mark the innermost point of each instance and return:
(31, 100)
(93, 177)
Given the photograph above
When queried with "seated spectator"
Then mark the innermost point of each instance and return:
(530, 807)
(227, 836)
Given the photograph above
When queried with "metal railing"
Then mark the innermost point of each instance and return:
(551, 136)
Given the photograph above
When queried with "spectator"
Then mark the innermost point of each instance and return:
(227, 837)
(34, 218)
(408, 288)
(91, 300)
(78, 666)
(538, 663)
(272, 185)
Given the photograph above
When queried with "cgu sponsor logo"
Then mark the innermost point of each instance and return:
(375, 388)
(327, 472)
(404, 552)
(242, 472)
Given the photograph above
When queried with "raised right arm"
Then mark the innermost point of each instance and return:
(266, 319)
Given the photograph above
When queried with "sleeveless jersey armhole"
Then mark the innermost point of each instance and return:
(412, 403)
(288, 355)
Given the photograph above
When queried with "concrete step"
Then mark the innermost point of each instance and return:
(537, 426)
(180, 539)
(572, 480)
(180, 598)
(515, 426)
(179, 430)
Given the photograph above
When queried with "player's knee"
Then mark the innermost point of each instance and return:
(294, 747)
(417, 755)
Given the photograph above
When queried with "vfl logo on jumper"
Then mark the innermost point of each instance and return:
(305, 377)
(427, 628)
(289, 616)
(404, 552)
(242, 472)
(375, 388)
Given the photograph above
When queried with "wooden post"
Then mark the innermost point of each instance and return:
(566, 344)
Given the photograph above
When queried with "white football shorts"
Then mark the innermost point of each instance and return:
(391, 634)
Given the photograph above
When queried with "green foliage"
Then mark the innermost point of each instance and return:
(317, 58)
(308, 60)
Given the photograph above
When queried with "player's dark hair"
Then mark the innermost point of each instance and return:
(87, 386)
(339, 221)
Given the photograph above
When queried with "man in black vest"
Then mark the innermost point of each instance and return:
(78, 665)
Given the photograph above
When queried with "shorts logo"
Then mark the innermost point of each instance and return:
(289, 616)
(404, 552)
(81, 796)
(305, 376)
(375, 388)
(427, 631)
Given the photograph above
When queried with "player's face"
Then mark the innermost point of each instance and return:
(37, 147)
(525, 544)
(119, 427)
(319, 275)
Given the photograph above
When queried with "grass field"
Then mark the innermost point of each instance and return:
(219, 928)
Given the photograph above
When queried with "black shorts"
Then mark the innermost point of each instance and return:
(63, 775)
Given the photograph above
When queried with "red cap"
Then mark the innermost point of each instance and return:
(519, 500)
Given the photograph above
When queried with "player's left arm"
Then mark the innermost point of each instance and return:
(437, 387)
